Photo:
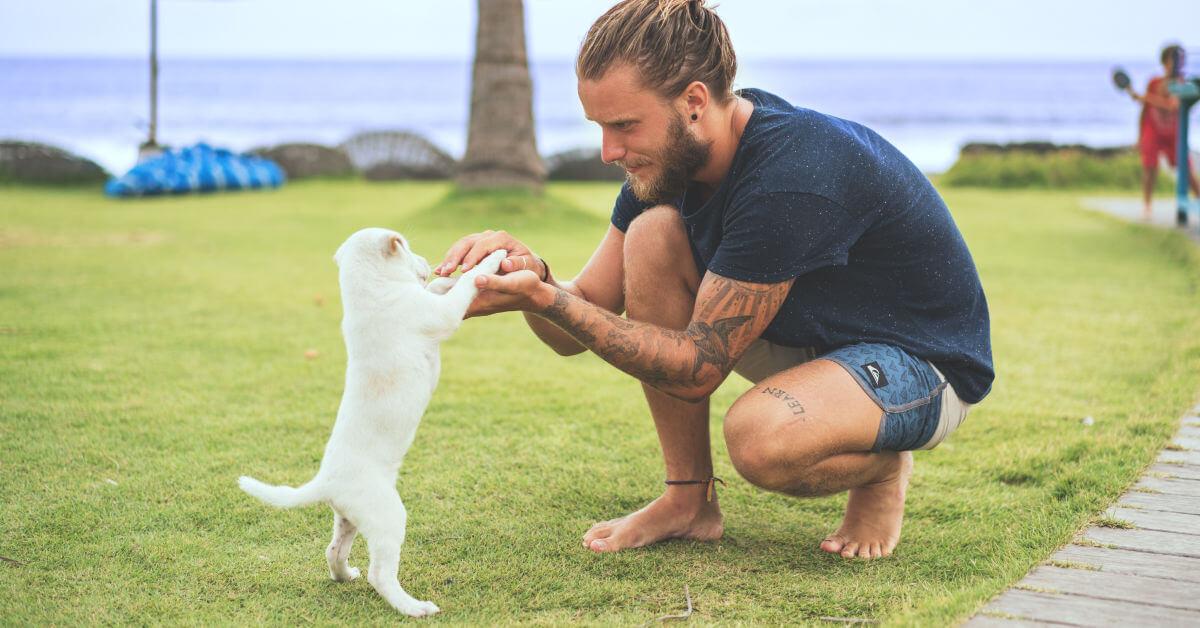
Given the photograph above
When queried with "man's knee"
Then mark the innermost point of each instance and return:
(659, 269)
(657, 235)
(756, 452)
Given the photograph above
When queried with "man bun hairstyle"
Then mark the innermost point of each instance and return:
(671, 43)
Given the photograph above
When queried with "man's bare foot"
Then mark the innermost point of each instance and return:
(681, 513)
(874, 514)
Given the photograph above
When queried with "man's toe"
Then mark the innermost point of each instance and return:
(832, 544)
(621, 537)
(597, 531)
(600, 537)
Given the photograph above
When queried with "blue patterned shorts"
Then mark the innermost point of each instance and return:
(906, 388)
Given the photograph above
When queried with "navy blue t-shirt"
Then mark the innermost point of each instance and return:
(875, 255)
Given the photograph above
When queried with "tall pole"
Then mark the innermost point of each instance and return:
(1185, 167)
(1188, 93)
(153, 73)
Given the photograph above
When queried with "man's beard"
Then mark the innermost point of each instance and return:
(677, 162)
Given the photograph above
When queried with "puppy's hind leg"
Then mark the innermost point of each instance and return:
(339, 549)
(384, 545)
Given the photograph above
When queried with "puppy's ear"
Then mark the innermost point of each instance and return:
(395, 245)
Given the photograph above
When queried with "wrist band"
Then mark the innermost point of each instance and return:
(547, 277)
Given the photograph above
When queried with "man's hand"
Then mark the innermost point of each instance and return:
(519, 290)
(519, 277)
(469, 250)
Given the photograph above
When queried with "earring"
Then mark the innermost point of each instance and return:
(695, 117)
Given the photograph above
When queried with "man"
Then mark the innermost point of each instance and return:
(1158, 125)
(799, 249)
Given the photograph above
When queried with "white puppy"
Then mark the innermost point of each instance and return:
(392, 324)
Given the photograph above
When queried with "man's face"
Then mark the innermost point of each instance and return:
(643, 134)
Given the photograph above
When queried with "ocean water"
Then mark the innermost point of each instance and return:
(99, 108)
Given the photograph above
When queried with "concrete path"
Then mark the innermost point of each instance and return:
(1144, 568)
(1162, 212)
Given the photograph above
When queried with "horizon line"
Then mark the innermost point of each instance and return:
(889, 60)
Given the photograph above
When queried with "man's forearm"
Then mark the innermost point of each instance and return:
(554, 336)
(688, 364)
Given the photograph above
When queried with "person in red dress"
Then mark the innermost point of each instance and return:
(1158, 126)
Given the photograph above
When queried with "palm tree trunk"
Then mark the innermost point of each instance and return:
(501, 144)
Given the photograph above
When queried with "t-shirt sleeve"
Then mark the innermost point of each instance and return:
(773, 237)
(626, 208)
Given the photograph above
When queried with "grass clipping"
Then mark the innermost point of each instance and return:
(687, 594)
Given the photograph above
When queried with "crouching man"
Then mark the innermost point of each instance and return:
(800, 250)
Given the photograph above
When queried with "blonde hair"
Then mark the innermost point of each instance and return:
(670, 42)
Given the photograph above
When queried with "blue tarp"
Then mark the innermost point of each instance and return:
(199, 168)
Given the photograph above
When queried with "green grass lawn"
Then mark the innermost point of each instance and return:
(151, 351)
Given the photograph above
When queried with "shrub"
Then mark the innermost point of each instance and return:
(1047, 166)
(41, 164)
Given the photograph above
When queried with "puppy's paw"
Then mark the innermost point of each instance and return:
(487, 266)
(491, 263)
(346, 574)
(418, 608)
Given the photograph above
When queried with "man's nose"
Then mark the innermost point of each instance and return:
(610, 149)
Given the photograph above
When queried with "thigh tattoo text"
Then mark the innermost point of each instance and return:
(791, 402)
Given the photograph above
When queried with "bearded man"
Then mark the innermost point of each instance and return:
(800, 250)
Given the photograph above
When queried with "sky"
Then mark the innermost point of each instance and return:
(1121, 30)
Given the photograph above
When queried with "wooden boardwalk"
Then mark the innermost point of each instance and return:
(1144, 575)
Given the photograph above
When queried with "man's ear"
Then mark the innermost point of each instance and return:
(695, 99)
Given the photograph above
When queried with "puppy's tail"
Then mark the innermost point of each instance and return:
(282, 496)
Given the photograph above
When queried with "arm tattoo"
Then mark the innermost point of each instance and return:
(557, 314)
(712, 342)
(728, 316)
